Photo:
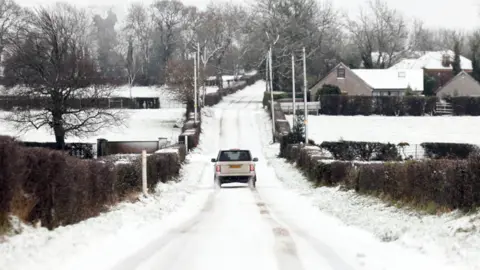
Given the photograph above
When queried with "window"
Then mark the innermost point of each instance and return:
(235, 155)
(401, 74)
(341, 72)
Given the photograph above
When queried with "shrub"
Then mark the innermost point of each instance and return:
(414, 105)
(430, 105)
(465, 105)
(449, 150)
(366, 151)
(212, 99)
(389, 105)
(357, 105)
(10, 174)
(328, 90)
(276, 96)
(332, 104)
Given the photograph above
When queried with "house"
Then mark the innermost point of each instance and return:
(437, 64)
(372, 82)
(461, 85)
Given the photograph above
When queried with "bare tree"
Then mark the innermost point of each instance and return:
(170, 18)
(382, 30)
(421, 38)
(188, 35)
(131, 64)
(289, 25)
(139, 28)
(53, 61)
(10, 18)
(218, 30)
(180, 79)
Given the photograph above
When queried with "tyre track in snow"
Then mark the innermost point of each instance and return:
(323, 250)
(284, 247)
(173, 249)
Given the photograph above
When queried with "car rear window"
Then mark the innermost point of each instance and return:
(235, 155)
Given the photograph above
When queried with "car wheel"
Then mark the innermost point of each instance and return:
(217, 183)
(252, 183)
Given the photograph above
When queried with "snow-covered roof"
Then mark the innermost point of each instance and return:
(392, 79)
(224, 77)
(432, 60)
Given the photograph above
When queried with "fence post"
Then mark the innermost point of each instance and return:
(144, 172)
(186, 142)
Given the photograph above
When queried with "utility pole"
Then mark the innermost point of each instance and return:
(272, 104)
(198, 72)
(293, 88)
(267, 55)
(305, 94)
(195, 87)
(270, 68)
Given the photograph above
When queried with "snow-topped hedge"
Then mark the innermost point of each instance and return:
(39, 184)
(433, 184)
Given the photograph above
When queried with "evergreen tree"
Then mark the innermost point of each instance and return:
(429, 85)
(297, 134)
(456, 67)
(409, 91)
(475, 50)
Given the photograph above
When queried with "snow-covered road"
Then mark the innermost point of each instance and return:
(271, 228)
(190, 225)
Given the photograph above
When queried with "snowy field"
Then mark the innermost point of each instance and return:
(139, 125)
(414, 130)
(285, 225)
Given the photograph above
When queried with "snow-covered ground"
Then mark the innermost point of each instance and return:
(414, 130)
(285, 224)
(139, 125)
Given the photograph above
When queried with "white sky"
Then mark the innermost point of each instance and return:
(458, 14)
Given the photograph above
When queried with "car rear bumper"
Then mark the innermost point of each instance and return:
(234, 178)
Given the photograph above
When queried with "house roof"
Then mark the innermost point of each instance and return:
(224, 77)
(392, 78)
(432, 60)
(462, 75)
(341, 64)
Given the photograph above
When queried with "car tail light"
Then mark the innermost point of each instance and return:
(252, 167)
(217, 168)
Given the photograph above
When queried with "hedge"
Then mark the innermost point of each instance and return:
(276, 96)
(451, 184)
(58, 189)
(365, 151)
(212, 99)
(378, 105)
(449, 150)
(465, 105)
